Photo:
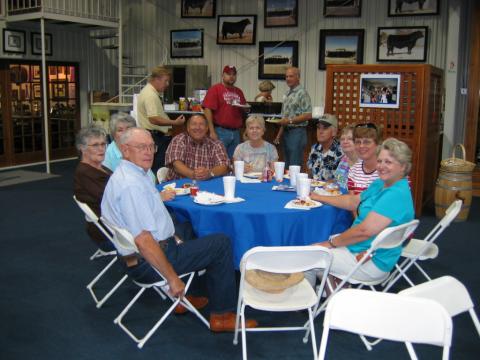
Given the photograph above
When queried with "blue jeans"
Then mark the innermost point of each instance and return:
(213, 253)
(229, 138)
(294, 142)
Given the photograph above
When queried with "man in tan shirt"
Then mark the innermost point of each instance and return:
(151, 115)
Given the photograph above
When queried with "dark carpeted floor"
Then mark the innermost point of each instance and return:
(47, 313)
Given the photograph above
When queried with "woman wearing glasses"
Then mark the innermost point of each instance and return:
(348, 159)
(366, 138)
(91, 177)
(387, 202)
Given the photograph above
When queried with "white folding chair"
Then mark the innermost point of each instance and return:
(162, 174)
(125, 245)
(388, 316)
(449, 292)
(90, 216)
(425, 249)
(281, 259)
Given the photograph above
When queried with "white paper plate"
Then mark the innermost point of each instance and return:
(273, 120)
(243, 106)
(208, 202)
(253, 175)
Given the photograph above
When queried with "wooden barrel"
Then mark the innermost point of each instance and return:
(450, 187)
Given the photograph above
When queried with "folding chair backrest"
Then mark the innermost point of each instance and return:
(286, 259)
(389, 316)
(122, 239)
(446, 290)
(90, 216)
(450, 215)
(394, 236)
(162, 174)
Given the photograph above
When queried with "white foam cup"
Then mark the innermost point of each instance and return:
(279, 167)
(229, 187)
(239, 167)
(303, 187)
(293, 170)
(301, 176)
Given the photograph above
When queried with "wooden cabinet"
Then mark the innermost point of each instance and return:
(417, 121)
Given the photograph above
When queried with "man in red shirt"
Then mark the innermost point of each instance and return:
(224, 111)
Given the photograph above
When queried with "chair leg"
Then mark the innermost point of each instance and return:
(323, 343)
(474, 317)
(244, 334)
(422, 271)
(314, 341)
(409, 346)
(98, 302)
(110, 293)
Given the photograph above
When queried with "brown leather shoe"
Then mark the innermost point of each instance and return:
(198, 302)
(226, 322)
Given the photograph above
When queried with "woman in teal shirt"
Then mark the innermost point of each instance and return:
(387, 202)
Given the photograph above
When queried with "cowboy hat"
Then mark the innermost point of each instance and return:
(272, 282)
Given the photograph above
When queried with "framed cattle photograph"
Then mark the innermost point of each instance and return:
(275, 57)
(198, 8)
(280, 13)
(380, 91)
(186, 43)
(340, 46)
(408, 43)
(236, 29)
(413, 7)
(342, 8)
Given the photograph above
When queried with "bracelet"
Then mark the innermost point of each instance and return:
(330, 241)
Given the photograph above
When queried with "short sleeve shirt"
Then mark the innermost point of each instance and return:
(358, 179)
(256, 156)
(149, 104)
(208, 153)
(323, 165)
(395, 203)
(219, 99)
(112, 156)
(296, 101)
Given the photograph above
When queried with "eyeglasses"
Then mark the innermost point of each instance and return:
(365, 142)
(142, 147)
(98, 146)
(366, 125)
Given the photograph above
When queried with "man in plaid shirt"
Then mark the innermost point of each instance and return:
(195, 155)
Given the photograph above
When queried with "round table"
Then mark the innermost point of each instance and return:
(260, 220)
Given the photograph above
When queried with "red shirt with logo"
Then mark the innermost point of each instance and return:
(219, 99)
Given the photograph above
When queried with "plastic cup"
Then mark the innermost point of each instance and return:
(229, 187)
(293, 170)
(301, 176)
(303, 187)
(193, 190)
(279, 167)
(239, 167)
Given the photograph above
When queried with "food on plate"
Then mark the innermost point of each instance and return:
(333, 192)
(304, 202)
(187, 185)
(317, 183)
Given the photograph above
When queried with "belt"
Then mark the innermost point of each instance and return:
(226, 128)
(132, 260)
(360, 256)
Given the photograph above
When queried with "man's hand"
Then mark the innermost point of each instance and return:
(284, 122)
(201, 173)
(179, 120)
(177, 287)
(167, 195)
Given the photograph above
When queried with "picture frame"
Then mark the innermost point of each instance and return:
(275, 57)
(36, 72)
(60, 91)
(14, 41)
(407, 43)
(280, 13)
(380, 91)
(186, 43)
(198, 8)
(342, 8)
(413, 8)
(37, 91)
(36, 43)
(236, 29)
(340, 46)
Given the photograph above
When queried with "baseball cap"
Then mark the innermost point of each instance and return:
(328, 120)
(230, 68)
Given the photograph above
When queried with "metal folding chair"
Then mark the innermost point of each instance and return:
(90, 216)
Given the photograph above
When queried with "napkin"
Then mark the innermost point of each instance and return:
(245, 180)
(208, 197)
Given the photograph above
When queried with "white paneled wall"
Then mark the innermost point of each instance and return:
(148, 24)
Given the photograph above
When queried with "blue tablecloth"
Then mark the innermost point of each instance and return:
(261, 220)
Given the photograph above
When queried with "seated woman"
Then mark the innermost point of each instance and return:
(266, 87)
(256, 152)
(366, 138)
(119, 122)
(348, 159)
(387, 202)
(91, 177)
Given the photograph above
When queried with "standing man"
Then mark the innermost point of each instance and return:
(151, 115)
(224, 116)
(297, 109)
(327, 152)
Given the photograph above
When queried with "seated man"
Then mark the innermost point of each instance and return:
(326, 153)
(131, 201)
(193, 154)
